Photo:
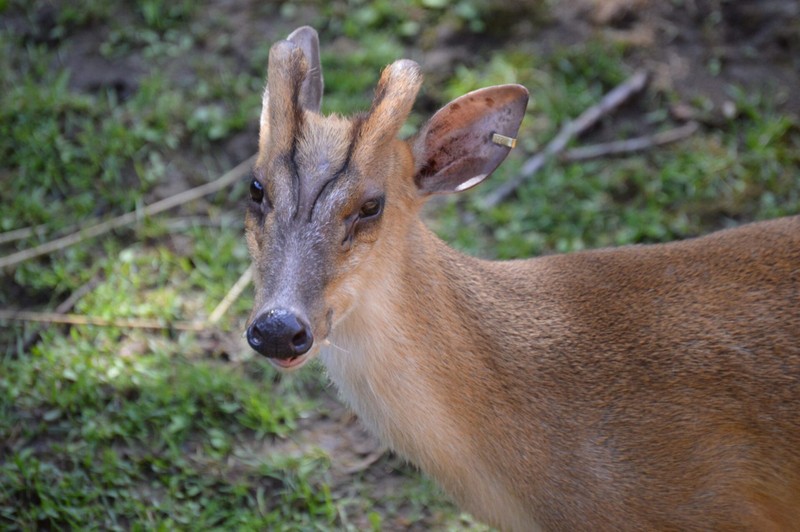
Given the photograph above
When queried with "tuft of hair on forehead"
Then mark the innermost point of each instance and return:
(394, 96)
(282, 114)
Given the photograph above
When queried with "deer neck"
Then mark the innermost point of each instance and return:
(404, 326)
(406, 361)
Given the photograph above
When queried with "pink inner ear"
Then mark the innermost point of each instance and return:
(434, 179)
(455, 151)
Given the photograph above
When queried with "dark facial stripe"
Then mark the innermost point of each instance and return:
(297, 184)
(380, 94)
(354, 136)
(296, 129)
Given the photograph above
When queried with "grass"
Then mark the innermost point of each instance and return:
(104, 428)
(744, 170)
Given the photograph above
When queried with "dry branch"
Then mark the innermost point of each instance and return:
(79, 319)
(64, 307)
(631, 145)
(60, 314)
(19, 234)
(128, 218)
(362, 465)
(569, 130)
(231, 296)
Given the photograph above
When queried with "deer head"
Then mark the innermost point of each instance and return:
(330, 196)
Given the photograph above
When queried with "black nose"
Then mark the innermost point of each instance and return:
(280, 333)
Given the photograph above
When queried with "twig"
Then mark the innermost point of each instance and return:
(364, 464)
(231, 296)
(79, 319)
(19, 234)
(64, 307)
(182, 223)
(634, 144)
(569, 130)
(37, 230)
(60, 314)
(128, 218)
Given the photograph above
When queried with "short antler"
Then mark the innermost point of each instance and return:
(294, 86)
(311, 90)
(394, 96)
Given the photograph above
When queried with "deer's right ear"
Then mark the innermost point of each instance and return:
(468, 138)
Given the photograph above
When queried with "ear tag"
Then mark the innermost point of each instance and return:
(502, 140)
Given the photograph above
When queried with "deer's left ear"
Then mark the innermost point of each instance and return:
(468, 138)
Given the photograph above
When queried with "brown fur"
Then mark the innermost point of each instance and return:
(653, 387)
(638, 388)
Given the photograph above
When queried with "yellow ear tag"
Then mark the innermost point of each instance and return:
(502, 140)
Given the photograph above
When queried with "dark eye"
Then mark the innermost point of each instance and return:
(371, 208)
(256, 191)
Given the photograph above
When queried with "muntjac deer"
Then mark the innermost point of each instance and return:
(639, 388)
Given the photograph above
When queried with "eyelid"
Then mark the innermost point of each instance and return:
(380, 202)
(256, 184)
(266, 202)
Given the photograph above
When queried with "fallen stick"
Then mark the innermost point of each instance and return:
(630, 145)
(64, 307)
(128, 218)
(568, 131)
(235, 291)
(182, 223)
(79, 319)
(60, 314)
(19, 234)
(361, 465)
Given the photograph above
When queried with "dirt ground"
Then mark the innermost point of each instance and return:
(699, 48)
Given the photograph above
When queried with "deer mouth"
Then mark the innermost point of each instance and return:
(292, 363)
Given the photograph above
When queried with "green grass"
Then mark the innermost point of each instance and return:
(745, 170)
(134, 438)
(108, 428)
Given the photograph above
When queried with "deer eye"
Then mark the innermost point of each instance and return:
(256, 191)
(371, 208)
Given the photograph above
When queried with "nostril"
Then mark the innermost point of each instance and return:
(254, 337)
(301, 342)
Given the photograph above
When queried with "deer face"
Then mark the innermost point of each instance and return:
(323, 191)
(315, 215)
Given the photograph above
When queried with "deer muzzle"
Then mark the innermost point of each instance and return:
(281, 335)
